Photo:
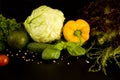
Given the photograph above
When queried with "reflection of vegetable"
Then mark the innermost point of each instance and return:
(45, 24)
(4, 60)
(76, 31)
(18, 39)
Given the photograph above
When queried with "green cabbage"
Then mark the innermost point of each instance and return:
(45, 24)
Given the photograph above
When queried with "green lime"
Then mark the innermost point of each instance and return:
(18, 39)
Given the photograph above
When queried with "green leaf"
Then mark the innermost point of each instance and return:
(75, 49)
(2, 46)
(60, 45)
(51, 53)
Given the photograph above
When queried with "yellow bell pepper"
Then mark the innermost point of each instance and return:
(76, 31)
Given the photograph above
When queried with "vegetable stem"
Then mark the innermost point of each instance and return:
(78, 34)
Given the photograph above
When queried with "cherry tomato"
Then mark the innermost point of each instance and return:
(4, 60)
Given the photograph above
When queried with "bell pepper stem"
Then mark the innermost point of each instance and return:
(78, 34)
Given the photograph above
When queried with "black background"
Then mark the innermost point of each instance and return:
(18, 70)
(20, 9)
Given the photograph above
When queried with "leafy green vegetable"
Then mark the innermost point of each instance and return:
(75, 49)
(51, 53)
(106, 51)
(108, 36)
(6, 26)
(45, 24)
(102, 57)
(101, 61)
(2, 46)
(60, 45)
(1, 35)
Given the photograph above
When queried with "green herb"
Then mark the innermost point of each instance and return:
(102, 57)
(75, 49)
(53, 52)
(107, 36)
(2, 46)
(7, 25)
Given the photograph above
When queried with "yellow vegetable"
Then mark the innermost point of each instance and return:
(76, 31)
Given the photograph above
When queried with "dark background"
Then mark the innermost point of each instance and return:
(19, 70)
(20, 9)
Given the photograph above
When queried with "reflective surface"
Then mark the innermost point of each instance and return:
(74, 70)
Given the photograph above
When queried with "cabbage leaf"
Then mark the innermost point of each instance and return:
(45, 24)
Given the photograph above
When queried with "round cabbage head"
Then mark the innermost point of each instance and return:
(45, 24)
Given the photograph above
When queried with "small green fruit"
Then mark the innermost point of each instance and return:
(18, 39)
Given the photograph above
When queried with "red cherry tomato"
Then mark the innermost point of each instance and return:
(4, 60)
